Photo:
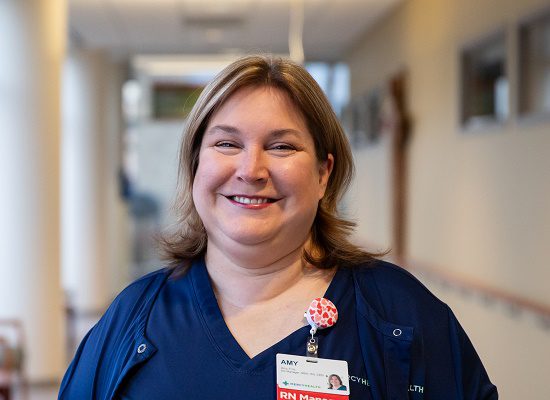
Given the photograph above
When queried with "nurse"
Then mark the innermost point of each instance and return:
(263, 165)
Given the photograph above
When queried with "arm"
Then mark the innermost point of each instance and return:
(81, 388)
(471, 378)
(108, 351)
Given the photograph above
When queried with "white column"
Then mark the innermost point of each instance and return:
(32, 45)
(85, 180)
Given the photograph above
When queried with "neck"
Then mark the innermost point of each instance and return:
(242, 283)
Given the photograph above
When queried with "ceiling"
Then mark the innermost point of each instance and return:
(216, 27)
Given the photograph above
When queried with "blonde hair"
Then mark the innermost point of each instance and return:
(329, 232)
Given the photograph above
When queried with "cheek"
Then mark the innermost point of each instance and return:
(198, 181)
(302, 188)
(299, 172)
(203, 183)
(208, 179)
(211, 173)
(302, 179)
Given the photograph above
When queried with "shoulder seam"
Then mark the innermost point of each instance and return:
(407, 274)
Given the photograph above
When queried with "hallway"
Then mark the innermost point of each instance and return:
(446, 105)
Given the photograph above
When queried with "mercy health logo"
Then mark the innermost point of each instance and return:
(291, 394)
(300, 385)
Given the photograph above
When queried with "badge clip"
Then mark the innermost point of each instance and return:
(321, 314)
(312, 347)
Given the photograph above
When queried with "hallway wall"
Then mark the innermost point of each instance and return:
(478, 200)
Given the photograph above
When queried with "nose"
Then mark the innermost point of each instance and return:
(253, 166)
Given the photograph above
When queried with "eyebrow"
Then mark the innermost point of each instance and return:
(235, 131)
(225, 128)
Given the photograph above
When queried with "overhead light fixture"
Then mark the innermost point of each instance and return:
(296, 31)
(178, 65)
(215, 13)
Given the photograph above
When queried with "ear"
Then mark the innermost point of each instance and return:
(325, 169)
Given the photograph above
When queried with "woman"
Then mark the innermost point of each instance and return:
(263, 165)
(335, 383)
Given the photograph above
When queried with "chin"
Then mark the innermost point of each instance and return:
(249, 239)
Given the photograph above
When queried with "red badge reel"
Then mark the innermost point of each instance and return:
(321, 314)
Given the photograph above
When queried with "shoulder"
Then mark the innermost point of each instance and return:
(142, 289)
(130, 309)
(396, 294)
(108, 346)
(439, 344)
(391, 279)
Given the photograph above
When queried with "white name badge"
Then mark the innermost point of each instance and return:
(305, 378)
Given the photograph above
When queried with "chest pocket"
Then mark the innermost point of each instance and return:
(397, 361)
(387, 350)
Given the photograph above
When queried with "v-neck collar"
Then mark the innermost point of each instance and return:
(221, 336)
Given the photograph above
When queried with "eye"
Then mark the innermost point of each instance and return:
(282, 149)
(227, 147)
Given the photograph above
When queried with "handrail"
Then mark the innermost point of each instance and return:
(515, 301)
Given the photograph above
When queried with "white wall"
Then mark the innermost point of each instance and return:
(156, 146)
(479, 202)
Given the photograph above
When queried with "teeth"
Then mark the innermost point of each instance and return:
(248, 200)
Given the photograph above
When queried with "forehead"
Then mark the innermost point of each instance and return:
(260, 105)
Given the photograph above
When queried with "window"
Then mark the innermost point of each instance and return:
(334, 80)
(534, 66)
(172, 100)
(484, 82)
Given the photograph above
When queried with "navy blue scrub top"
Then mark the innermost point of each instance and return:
(201, 358)
(164, 337)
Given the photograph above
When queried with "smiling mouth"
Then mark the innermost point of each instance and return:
(251, 200)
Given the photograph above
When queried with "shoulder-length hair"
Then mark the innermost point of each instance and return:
(187, 239)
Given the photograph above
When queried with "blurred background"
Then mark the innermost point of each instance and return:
(446, 104)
